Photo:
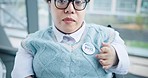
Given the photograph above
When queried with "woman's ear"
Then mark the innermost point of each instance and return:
(49, 4)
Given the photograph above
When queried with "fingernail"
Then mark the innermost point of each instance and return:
(97, 56)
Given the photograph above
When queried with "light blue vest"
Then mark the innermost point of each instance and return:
(59, 60)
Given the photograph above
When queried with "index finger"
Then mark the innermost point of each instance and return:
(104, 50)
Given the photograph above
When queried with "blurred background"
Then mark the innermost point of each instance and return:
(18, 18)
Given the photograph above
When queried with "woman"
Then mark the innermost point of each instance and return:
(71, 48)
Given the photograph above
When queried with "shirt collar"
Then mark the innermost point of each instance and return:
(76, 35)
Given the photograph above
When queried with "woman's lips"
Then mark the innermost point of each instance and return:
(68, 20)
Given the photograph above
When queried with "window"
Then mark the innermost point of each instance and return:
(144, 6)
(102, 5)
(8, 12)
(13, 18)
(126, 6)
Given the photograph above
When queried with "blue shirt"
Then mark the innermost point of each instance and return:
(94, 37)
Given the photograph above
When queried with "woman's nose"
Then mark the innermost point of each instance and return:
(70, 9)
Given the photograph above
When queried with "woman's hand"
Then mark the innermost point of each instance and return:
(107, 56)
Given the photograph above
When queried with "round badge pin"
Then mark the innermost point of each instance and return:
(88, 48)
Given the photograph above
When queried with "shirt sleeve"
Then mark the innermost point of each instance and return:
(23, 64)
(123, 64)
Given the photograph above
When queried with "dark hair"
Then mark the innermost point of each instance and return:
(50, 0)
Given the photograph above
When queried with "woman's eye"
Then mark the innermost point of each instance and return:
(62, 1)
(79, 2)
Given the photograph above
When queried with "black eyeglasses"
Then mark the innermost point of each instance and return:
(77, 4)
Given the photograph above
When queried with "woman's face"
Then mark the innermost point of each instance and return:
(66, 20)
